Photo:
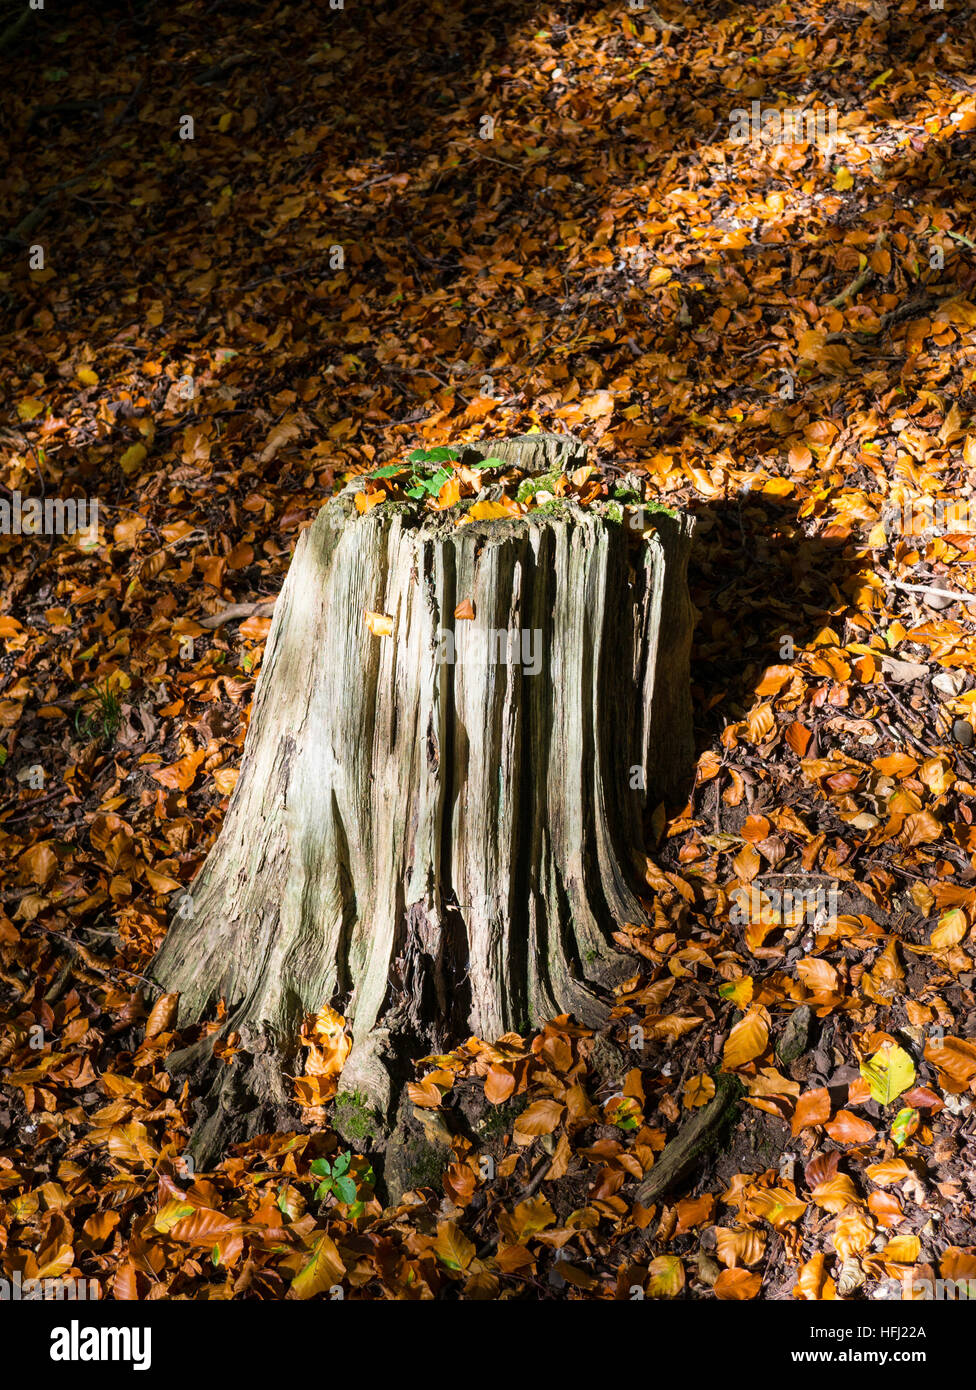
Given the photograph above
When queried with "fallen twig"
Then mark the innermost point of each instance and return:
(236, 611)
(936, 593)
(856, 285)
(658, 23)
(679, 1157)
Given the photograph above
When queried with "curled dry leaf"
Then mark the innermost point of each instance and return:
(163, 1015)
(745, 1247)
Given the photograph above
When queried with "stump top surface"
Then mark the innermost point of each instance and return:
(533, 453)
(546, 484)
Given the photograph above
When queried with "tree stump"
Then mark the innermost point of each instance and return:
(433, 830)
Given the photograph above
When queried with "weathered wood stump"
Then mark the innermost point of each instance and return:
(433, 830)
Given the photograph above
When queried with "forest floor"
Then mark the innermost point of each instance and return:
(209, 335)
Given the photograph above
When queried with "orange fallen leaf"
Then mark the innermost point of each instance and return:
(737, 1284)
(180, 776)
(163, 1015)
(746, 1041)
(378, 623)
(848, 1128)
(499, 1084)
(365, 501)
(541, 1117)
(812, 1108)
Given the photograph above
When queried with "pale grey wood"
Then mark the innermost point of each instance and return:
(438, 849)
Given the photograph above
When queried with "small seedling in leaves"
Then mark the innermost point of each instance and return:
(542, 482)
(335, 1178)
(107, 713)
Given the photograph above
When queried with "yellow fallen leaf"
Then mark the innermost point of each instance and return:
(132, 459)
(225, 779)
(739, 991)
(739, 1247)
(378, 623)
(890, 1072)
(853, 1233)
(902, 1250)
(951, 929)
(323, 1271)
(776, 1205)
(452, 1246)
(747, 1040)
(493, 511)
(665, 1277)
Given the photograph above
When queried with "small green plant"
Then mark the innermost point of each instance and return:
(339, 1181)
(104, 720)
(335, 1178)
(427, 472)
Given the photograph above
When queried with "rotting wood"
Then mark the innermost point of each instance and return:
(694, 1139)
(432, 831)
